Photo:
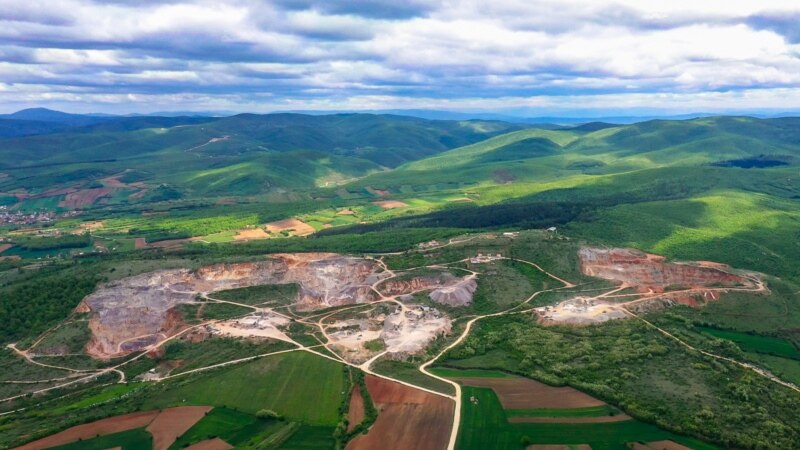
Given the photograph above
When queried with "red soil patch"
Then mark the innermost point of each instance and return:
(658, 445)
(408, 419)
(210, 444)
(87, 431)
(599, 419)
(4, 247)
(377, 192)
(390, 204)
(356, 412)
(523, 393)
(168, 426)
(297, 227)
(250, 233)
(652, 272)
(140, 243)
(84, 197)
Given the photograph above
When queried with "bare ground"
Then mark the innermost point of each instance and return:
(408, 419)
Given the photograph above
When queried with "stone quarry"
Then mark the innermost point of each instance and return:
(132, 313)
(656, 284)
(652, 272)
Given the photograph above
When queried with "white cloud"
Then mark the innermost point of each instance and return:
(454, 53)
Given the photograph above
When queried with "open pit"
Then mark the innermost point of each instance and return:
(134, 313)
(646, 282)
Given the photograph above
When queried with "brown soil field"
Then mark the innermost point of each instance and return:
(87, 431)
(298, 227)
(558, 447)
(390, 204)
(10, 258)
(170, 243)
(84, 197)
(658, 445)
(356, 412)
(408, 418)
(168, 426)
(139, 243)
(346, 212)
(4, 247)
(251, 233)
(210, 444)
(523, 393)
(600, 419)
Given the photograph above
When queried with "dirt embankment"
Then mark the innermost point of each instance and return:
(133, 313)
(408, 418)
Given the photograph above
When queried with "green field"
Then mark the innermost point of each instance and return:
(591, 411)
(485, 426)
(288, 384)
(138, 439)
(233, 427)
(758, 344)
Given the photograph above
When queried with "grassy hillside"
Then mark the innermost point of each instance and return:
(241, 155)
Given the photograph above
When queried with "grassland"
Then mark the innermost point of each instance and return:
(288, 384)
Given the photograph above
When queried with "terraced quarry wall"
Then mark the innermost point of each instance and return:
(130, 314)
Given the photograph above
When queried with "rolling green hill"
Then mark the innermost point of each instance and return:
(240, 155)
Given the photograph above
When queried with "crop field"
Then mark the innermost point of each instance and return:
(138, 439)
(287, 384)
(229, 425)
(485, 425)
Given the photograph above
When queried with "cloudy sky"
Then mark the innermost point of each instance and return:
(534, 57)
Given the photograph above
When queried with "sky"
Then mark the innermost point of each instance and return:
(522, 57)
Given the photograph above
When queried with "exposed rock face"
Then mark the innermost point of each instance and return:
(397, 286)
(445, 288)
(132, 313)
(648, 271)
(458, 294)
